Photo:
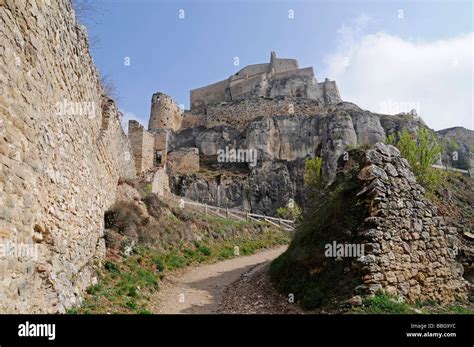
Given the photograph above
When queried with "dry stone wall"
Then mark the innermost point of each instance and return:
(410, 249)
(62, 152)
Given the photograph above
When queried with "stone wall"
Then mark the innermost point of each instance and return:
(161, 145)
(62, 151)
(240, 113)
(330, 91)
(184, 160)
(192, 120)
(408, 244)
(160, 183)
(143, 144)
(210, 94)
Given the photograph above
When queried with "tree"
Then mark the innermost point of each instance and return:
(291, 211)
(421, 150)
(313, 176)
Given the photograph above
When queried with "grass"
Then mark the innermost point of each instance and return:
(126, 285)
(303, 269)
(382, 303)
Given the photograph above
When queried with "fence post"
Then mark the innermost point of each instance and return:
(205, 209)
(247, 216)
(279, 221)
(226, 213)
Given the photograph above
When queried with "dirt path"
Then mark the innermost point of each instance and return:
(200, 289)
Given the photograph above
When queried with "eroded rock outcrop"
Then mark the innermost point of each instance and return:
(282, 142)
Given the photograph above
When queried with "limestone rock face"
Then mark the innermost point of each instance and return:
(282, 141)
(62, 151)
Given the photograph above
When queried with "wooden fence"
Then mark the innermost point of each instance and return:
(448, 168)
(232, 214)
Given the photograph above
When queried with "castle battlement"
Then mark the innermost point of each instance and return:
(279, 77)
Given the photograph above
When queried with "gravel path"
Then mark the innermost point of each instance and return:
(253, 293)
(222, 287)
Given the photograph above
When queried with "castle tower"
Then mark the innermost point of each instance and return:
(165, 113)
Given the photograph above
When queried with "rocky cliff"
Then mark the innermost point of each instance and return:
(62, 151)
(282, 141)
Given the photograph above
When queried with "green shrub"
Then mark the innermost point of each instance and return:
(384, 303)
(111, 266)
(288, 212)
(313, 176)
(131, 304)
(421, 150)
(205, 250)
(160, 267)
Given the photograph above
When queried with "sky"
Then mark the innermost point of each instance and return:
(385, 56)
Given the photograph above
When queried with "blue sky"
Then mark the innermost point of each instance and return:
(384, 55)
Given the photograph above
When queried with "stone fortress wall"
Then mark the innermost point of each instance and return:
(62, 152)
(241, 112)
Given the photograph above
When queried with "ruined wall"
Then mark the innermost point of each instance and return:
(160, 182)
(282, 65)
(62, 151)
(241, 112)
(143, 144)
(210, 94)
(300, 83)
(250, 70)
(161, 144)
(330, 91)
(409, 246)
(249, 87)
(184, 160)
(165, 113)
(191, 120)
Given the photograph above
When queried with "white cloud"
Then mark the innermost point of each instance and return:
(387, 74)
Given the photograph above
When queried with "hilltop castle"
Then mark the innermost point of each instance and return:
(279, 87)
(280, 77)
